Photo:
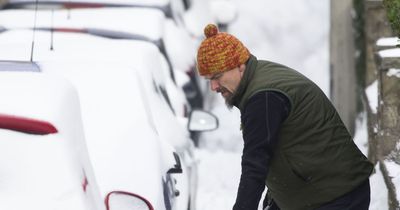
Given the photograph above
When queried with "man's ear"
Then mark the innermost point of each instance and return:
(242, 67)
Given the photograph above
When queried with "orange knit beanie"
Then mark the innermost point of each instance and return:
(220, 52)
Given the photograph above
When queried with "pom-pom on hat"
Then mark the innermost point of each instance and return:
(220, 52)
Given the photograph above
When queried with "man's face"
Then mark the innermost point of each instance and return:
(226, 82)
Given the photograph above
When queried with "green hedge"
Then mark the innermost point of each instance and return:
(393, 13)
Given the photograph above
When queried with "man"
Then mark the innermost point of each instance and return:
(294, 140)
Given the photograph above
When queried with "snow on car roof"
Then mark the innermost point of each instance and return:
(141, 21)
(125, 2)
(68, 47)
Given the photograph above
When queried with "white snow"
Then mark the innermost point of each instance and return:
(378, 190)
(133, 2)
(224, 11)
(390, 53)
(219, 174)
(285, 32)
(361, 135)
(372, 94)
(379, 193)
(128, 20)
(393, 72)
(389, 41)
(394, 173)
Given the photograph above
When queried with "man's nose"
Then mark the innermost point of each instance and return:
(214, 85)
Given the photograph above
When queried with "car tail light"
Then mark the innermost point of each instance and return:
(70, 30)
(120, 200)
(26, 125)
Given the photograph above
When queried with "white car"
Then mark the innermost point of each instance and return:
(84, 67)
(171, 8)
(43, 157)
(174, 42)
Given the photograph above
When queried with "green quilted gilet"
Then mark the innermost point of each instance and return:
(315, 160)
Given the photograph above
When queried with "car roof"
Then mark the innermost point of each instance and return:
(69, 47)
(124, 2)
(128, 20)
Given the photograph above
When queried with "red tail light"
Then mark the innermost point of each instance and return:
(70, 30)
(26, 125)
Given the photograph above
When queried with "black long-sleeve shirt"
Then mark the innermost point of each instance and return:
(261, 119)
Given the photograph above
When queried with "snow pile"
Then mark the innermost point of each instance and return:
(390, 53)
(378, 190)
(390, 42)
(393, 72)
(379, 193)
(361, 135)
(219, 174)
(394, 172)
(372, 94)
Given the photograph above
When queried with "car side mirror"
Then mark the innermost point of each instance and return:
(202, 121)
(177, 169)
(223, 11)
(119, 200)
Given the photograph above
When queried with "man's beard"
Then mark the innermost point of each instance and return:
(228, 98)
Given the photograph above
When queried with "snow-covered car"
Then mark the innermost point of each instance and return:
(43, 157)
(84, 65)
(125, 23)
(171, 8)
(126, 151)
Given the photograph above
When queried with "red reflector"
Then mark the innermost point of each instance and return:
(70, 30)
(82, 5)
(85, 184)
(26, 125)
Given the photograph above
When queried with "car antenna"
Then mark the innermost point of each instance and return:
(34, 30)
(52, 31)
(69, 11)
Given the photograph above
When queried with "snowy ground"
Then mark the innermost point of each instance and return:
(281, 31)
